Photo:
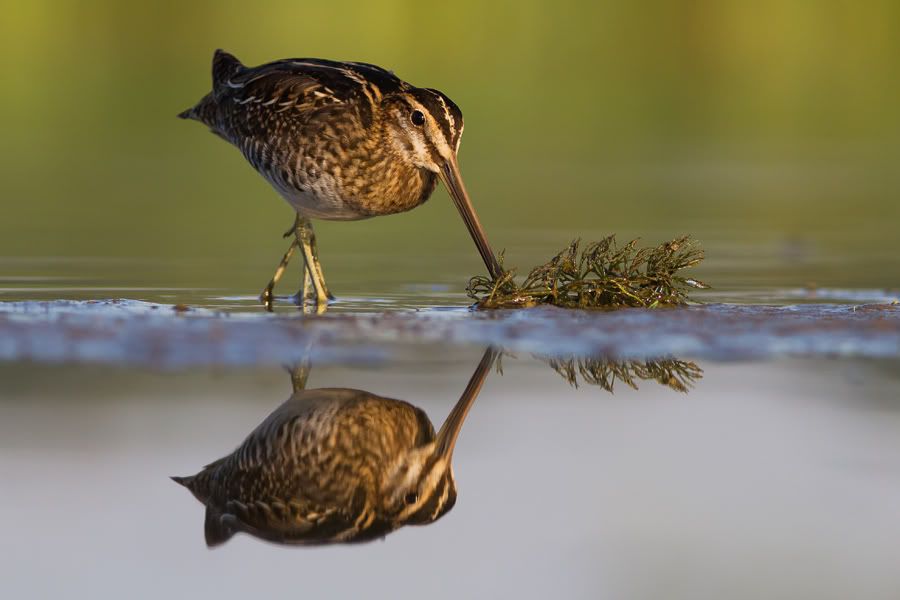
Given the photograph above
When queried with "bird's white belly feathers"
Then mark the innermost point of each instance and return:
(320, 199)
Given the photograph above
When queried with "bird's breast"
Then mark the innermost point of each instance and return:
(337, 183)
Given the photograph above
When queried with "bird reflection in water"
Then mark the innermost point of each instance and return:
(335, 465)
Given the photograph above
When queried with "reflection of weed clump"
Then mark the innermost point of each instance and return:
(602, 275)
(679, 375)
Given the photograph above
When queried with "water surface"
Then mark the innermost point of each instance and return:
(765, 479)
(744, 446)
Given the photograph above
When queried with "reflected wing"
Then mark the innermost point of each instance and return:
(295, 522)
(280, 486)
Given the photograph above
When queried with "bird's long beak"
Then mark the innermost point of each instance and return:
(452, 178)
(446, 437)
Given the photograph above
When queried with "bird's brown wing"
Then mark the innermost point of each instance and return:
(297, 522)
(288, 100)
(300, 84)
(278, 489)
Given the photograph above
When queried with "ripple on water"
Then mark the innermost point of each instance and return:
(178, 336)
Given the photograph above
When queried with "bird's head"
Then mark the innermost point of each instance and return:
(425, 127)
(424, 130)
(420, 488)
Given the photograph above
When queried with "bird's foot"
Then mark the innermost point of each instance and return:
(267, 298)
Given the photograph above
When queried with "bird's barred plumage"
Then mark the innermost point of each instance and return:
(329, 465)
(334, 138)
(335, 465)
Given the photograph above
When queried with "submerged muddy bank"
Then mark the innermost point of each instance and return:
(130, 332)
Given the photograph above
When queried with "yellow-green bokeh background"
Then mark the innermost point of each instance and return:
(758, 121)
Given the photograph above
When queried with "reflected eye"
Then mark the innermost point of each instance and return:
(412, 497)
(418, 118)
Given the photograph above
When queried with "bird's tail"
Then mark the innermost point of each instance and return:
(185, 481)
(224, 67)
(215, 529)
(205, 111)
(196, 484)
(201, 484)
(190, 482)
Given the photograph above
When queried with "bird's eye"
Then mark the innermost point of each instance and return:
(418, 118)
(412, 497)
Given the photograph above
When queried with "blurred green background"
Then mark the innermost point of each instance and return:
(765, 129)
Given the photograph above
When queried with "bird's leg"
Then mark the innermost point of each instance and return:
(316, 264)
(266, 297)
(307, 294)
(296, 224)
(307, 241)
(314, 290)
(309, 305)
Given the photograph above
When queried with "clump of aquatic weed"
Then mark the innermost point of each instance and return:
(680, 375)
(603, 275)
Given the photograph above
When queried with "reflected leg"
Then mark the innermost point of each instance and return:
(300, 375)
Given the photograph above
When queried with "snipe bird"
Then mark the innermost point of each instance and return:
(339, 141)
(335, 466)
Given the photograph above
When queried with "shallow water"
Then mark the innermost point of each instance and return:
(767, 479)
(582, 470)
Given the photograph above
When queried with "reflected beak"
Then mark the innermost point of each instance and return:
(451, 177)
(446, 437)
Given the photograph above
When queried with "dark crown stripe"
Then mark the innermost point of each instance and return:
(429, 100)
(437, 502)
